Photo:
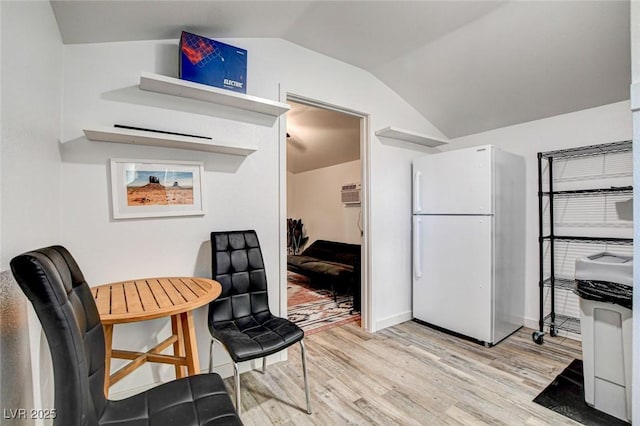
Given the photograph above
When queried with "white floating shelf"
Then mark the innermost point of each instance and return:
(142, 137)
(202, 92)
(635, 97)
(408, 136)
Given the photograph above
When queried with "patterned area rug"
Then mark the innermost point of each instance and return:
(314, 309)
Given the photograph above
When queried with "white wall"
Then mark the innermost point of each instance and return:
(635, 94)
(31, 98)
(30, 186)
(100, 88)
(609, 123)
(316, 199)
(291, 208)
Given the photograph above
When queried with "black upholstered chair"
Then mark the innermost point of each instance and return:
(54, 284)
(240, 318)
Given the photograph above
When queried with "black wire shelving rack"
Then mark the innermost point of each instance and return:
(552, 320)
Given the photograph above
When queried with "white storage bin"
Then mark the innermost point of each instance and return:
(605, 289)
(606, 355)
(605, 266)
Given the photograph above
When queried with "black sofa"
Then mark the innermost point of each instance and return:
(330, 263)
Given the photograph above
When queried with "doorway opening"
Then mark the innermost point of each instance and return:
(326, 216)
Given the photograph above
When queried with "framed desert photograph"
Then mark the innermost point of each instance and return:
(149, 188)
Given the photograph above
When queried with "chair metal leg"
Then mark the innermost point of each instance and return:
(236, 374)
(264, 365)
(211, 356)
(306, 380)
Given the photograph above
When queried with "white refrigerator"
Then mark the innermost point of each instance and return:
(468, 242)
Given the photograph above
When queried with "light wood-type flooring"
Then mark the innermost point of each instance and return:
(408, 374)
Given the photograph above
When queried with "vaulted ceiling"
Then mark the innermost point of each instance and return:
(466, 66)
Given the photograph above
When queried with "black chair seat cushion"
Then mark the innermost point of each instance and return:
(255, 336)
(333, 251)
(335, 270)
(191, 401)
(299, 260)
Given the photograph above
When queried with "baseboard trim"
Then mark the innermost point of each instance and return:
(126, 393)
(533, 324)
(224, 370)
(393, 320)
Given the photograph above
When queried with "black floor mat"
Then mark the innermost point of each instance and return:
(565, 395)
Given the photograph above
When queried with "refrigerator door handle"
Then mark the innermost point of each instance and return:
(417, 248)
(417, 181)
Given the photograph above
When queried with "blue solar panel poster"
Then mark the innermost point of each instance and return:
(211, 62)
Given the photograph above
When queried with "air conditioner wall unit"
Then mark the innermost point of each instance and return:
(350, 194)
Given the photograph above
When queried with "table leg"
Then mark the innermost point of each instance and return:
(178, 346)
(191, 347)
(108, 339)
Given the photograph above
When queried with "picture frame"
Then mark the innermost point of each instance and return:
(156, 188)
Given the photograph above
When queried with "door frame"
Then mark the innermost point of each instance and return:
(365, 179)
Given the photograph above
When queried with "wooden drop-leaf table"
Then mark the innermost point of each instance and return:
(152, 298)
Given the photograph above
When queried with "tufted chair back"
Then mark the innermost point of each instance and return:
(240, 318)
(239, 268)
(53, 282)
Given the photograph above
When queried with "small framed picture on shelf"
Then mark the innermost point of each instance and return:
(150, 188)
